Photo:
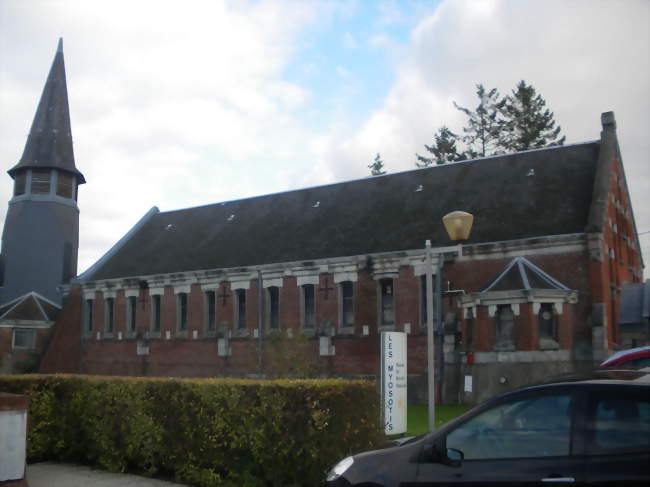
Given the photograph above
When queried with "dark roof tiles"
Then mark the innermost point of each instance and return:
(516, 196)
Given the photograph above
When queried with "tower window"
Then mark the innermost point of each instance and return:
(64, 185)
(41, 181)
(19, 184)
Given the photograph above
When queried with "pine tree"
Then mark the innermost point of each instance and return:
(484, 124)
(376, 168)
(443, 149)
(528, 125)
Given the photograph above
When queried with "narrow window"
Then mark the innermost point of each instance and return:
(273, 313)
(110, 302)
(88, 315)
(131, 306)
(210, 311)
(19, 184)
(155, 313)
(308, 306)
(40, 181)
(240, 309)
(387, 314)
(64, 185)
(24, 338)
(347, 303)
(181, 311)
(505, 328)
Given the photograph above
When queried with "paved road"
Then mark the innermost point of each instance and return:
(48, 474)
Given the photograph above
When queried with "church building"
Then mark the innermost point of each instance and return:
(203, 292)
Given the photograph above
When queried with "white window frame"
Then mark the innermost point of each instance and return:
(32, 338)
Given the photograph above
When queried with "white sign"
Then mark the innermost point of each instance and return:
(393, 382)
(468, 383)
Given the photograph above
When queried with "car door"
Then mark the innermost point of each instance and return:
(524, 440)
(617, 436)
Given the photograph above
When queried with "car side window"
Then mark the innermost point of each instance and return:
(638, 363)
(618, 423)
(534, 427)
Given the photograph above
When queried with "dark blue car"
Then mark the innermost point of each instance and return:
(588, 430)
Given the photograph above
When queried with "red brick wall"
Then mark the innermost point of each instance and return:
(63, 351)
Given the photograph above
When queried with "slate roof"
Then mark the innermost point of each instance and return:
(521, 274)
(49, 143)
(527, 194)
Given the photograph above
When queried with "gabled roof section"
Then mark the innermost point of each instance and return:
(521, 274)
(49, 144)
(530, 194)
(32, 307)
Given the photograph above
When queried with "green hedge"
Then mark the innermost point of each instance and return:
(206, 432)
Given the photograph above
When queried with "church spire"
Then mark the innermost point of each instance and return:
(49, 144)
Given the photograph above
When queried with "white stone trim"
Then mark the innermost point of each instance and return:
(515, 308)
(307, 279)
(130, 293)
(557, 307)
(245, 285)
(273, 282)
(210, 286)
(492, 310)
(340, 277)
(89, 294)
(108, 294)
(183, 289)
(536, 308)
(466, 311)
(156, 291)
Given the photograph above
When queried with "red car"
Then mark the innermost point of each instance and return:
(634, 358)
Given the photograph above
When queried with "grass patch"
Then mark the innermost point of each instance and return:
(418, 422)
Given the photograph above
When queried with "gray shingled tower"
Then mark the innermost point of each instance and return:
(41, 233)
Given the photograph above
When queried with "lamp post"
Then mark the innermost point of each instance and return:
(458, 225)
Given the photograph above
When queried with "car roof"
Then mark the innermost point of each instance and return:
(598, 376)
(625, 353)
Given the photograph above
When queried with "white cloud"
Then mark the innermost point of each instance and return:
(584, 57)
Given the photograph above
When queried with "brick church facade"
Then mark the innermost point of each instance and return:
(535, 291)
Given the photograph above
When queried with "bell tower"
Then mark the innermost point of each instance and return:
(40, 240)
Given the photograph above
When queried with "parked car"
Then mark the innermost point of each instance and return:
(584, 430)
(635, 358)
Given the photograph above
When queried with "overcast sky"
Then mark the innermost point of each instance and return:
(184, 103)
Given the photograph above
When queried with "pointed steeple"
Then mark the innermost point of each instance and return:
(49, 144)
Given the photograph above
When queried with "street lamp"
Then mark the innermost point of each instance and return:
(458, 225)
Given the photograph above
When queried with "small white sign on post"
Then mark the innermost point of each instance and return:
(393, 382)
